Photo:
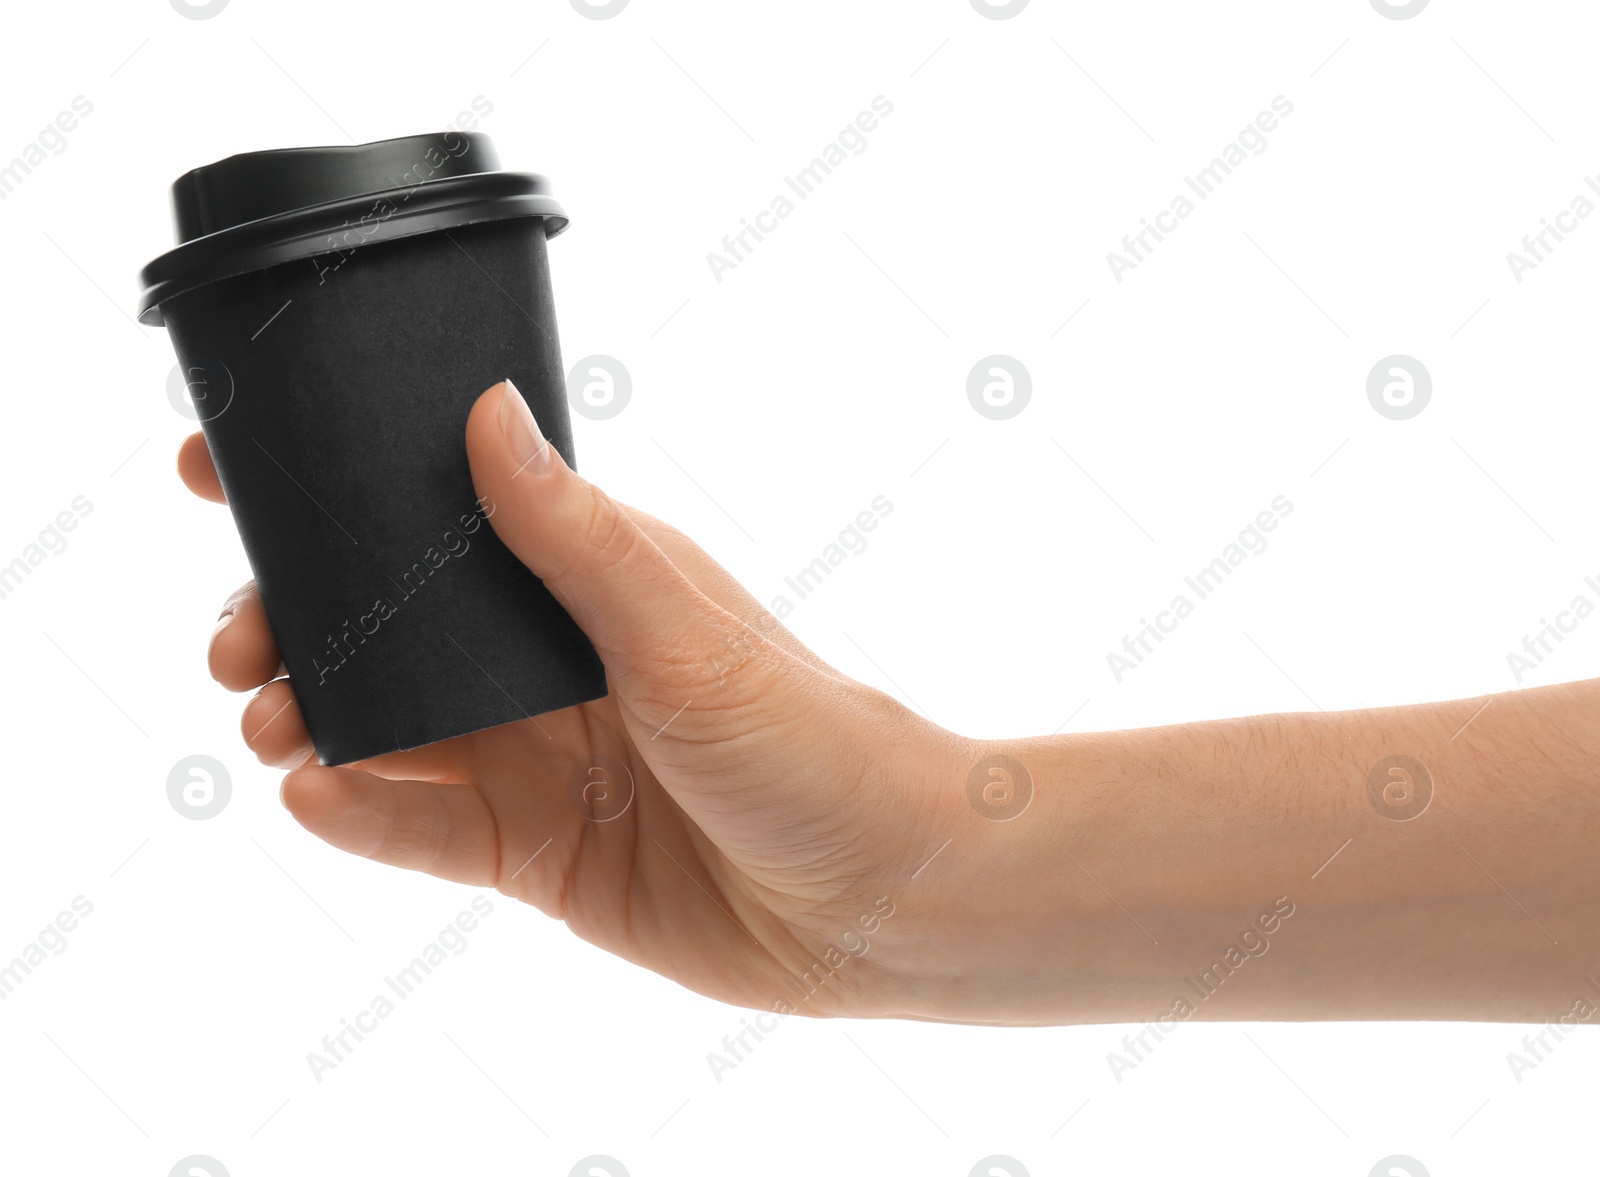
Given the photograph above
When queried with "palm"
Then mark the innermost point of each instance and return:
(586, 832)
(727, 849)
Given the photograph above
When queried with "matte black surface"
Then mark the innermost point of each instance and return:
(264, 208)
(338, 432)
(257, 184)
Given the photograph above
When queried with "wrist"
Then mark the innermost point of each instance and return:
(1025, 903)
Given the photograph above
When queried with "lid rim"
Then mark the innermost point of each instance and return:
(430, 206)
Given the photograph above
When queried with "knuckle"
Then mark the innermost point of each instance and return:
(239, 596)
(658, 530)
(412, 839)
(612, 536)
(677, 662)
(726, 668)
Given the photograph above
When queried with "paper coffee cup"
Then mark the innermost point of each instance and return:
(336, 311)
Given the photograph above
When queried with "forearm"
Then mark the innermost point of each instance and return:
(1241, 869)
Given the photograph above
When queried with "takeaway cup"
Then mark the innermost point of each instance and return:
(335, 312)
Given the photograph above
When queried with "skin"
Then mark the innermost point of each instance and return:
(788, 822)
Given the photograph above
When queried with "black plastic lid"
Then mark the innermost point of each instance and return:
(261, 208)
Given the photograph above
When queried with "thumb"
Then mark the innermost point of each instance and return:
(663, 641)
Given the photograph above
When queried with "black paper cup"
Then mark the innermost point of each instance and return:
(337, 311)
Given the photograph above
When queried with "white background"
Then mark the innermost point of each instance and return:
(768, 409)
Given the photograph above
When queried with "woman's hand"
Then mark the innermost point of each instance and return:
(733, 815)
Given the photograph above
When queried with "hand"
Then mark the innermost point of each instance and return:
(786, 820)
(777, 804)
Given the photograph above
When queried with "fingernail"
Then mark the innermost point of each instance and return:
(222, 623)
(528, 447)
(282, 785)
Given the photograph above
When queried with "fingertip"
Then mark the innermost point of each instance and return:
(446, 830)
(321, 799)
(306, 788)
(197, 470)
(484, 436)
(487, 405)
(243, 655)
(273, 727)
